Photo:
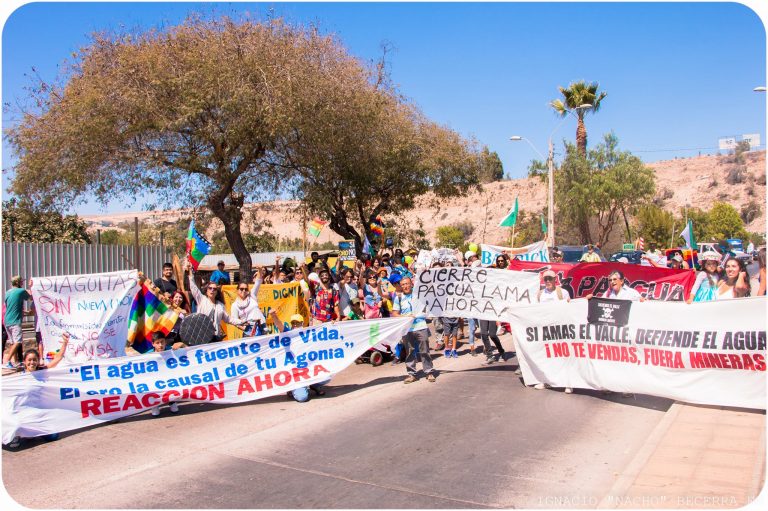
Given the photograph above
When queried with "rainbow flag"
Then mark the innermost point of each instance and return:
(148, 315)
(377, 227)
(316, 227)
(197, 246)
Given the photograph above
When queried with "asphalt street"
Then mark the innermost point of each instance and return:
(475, 438)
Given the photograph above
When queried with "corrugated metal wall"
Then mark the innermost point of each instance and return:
(44, 259)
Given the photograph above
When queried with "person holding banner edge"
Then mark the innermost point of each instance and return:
(551, 293)
(417, 338)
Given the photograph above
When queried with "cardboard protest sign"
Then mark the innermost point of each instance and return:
(481, 293)
(592, 278)
(709, 352)
(93, 308)
(347, 250)
(534, 252)
(66, 398)
(285, 299)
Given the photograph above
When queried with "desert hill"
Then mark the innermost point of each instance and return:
(691, 182)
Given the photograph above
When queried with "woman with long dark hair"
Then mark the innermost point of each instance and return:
(735, 283)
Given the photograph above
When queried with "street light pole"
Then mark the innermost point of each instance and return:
(551, 174)
(551, 207)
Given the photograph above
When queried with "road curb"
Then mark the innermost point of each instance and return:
(627, 477)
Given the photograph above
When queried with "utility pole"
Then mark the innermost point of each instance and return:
(551, 208)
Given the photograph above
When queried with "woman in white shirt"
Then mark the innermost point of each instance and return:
(210, 304)
(736, 281)
(245, 309)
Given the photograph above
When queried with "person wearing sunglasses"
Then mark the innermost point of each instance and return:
(211, 304)
(617, 289)
(245, 309)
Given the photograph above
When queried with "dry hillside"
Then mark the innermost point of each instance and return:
(693, 182)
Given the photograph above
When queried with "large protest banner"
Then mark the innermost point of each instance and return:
(93, 308)
(286, 299)
(481, 293)
(75, 396)
(534, 252)
(592, 278)
(707, 353)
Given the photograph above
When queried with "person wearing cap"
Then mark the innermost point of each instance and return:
(556, 256)
(14, 310)
(590, 256)
(300, 394)
(471, 259)
(551, 292)
(355, 311)
(417, 338)
(705, 287)
(219, 276)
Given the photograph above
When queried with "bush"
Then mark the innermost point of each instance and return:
(735, 175)
(750, 211)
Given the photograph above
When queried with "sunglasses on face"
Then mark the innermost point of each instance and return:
(242, 289)
(549, 279)
(213, 288)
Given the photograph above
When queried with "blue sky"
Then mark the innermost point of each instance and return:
(679, 76)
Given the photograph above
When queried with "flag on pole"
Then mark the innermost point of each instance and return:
(367, 247)
(688, 236)
(197, 246)
(316, 227)
(148, 315)
(511, 219)
(543, 225)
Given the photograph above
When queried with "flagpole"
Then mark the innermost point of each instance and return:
(672, 237)
(304, 232)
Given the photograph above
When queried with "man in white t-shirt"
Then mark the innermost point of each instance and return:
(552, 293)
(618, 291)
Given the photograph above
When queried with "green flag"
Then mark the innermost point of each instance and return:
(543, 225)
(688, 235)
(511, 219)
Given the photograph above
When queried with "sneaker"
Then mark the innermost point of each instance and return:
(568, 390)
(447, 354)
(431, 377)
(174, 407)
(155, 411)
(395, 361)
(539, 386)
(501, 357)
(15, 443)
(454, 354)
(488, 361)
(473, 353)
(518, 372)
(409, 379)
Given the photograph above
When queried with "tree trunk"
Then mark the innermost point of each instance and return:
(340, 226)
(581, 137)
(228, 209)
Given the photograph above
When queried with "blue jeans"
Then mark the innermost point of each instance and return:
(472, 324)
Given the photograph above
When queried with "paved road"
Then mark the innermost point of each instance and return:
(476, 438)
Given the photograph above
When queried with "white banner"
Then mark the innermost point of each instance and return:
(71, 397)
(480, 293)
(707, 352)
(93, 308)
(534, 252)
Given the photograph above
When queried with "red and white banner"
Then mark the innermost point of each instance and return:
(708, 353)
(592, 278)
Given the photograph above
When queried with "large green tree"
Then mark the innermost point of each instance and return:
(33, 225)
(724, 222)
(596, 191)
(576, 95)
(199, 114)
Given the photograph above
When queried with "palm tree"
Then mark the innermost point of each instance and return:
(578, 94)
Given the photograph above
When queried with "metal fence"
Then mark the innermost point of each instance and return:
(46, 259)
